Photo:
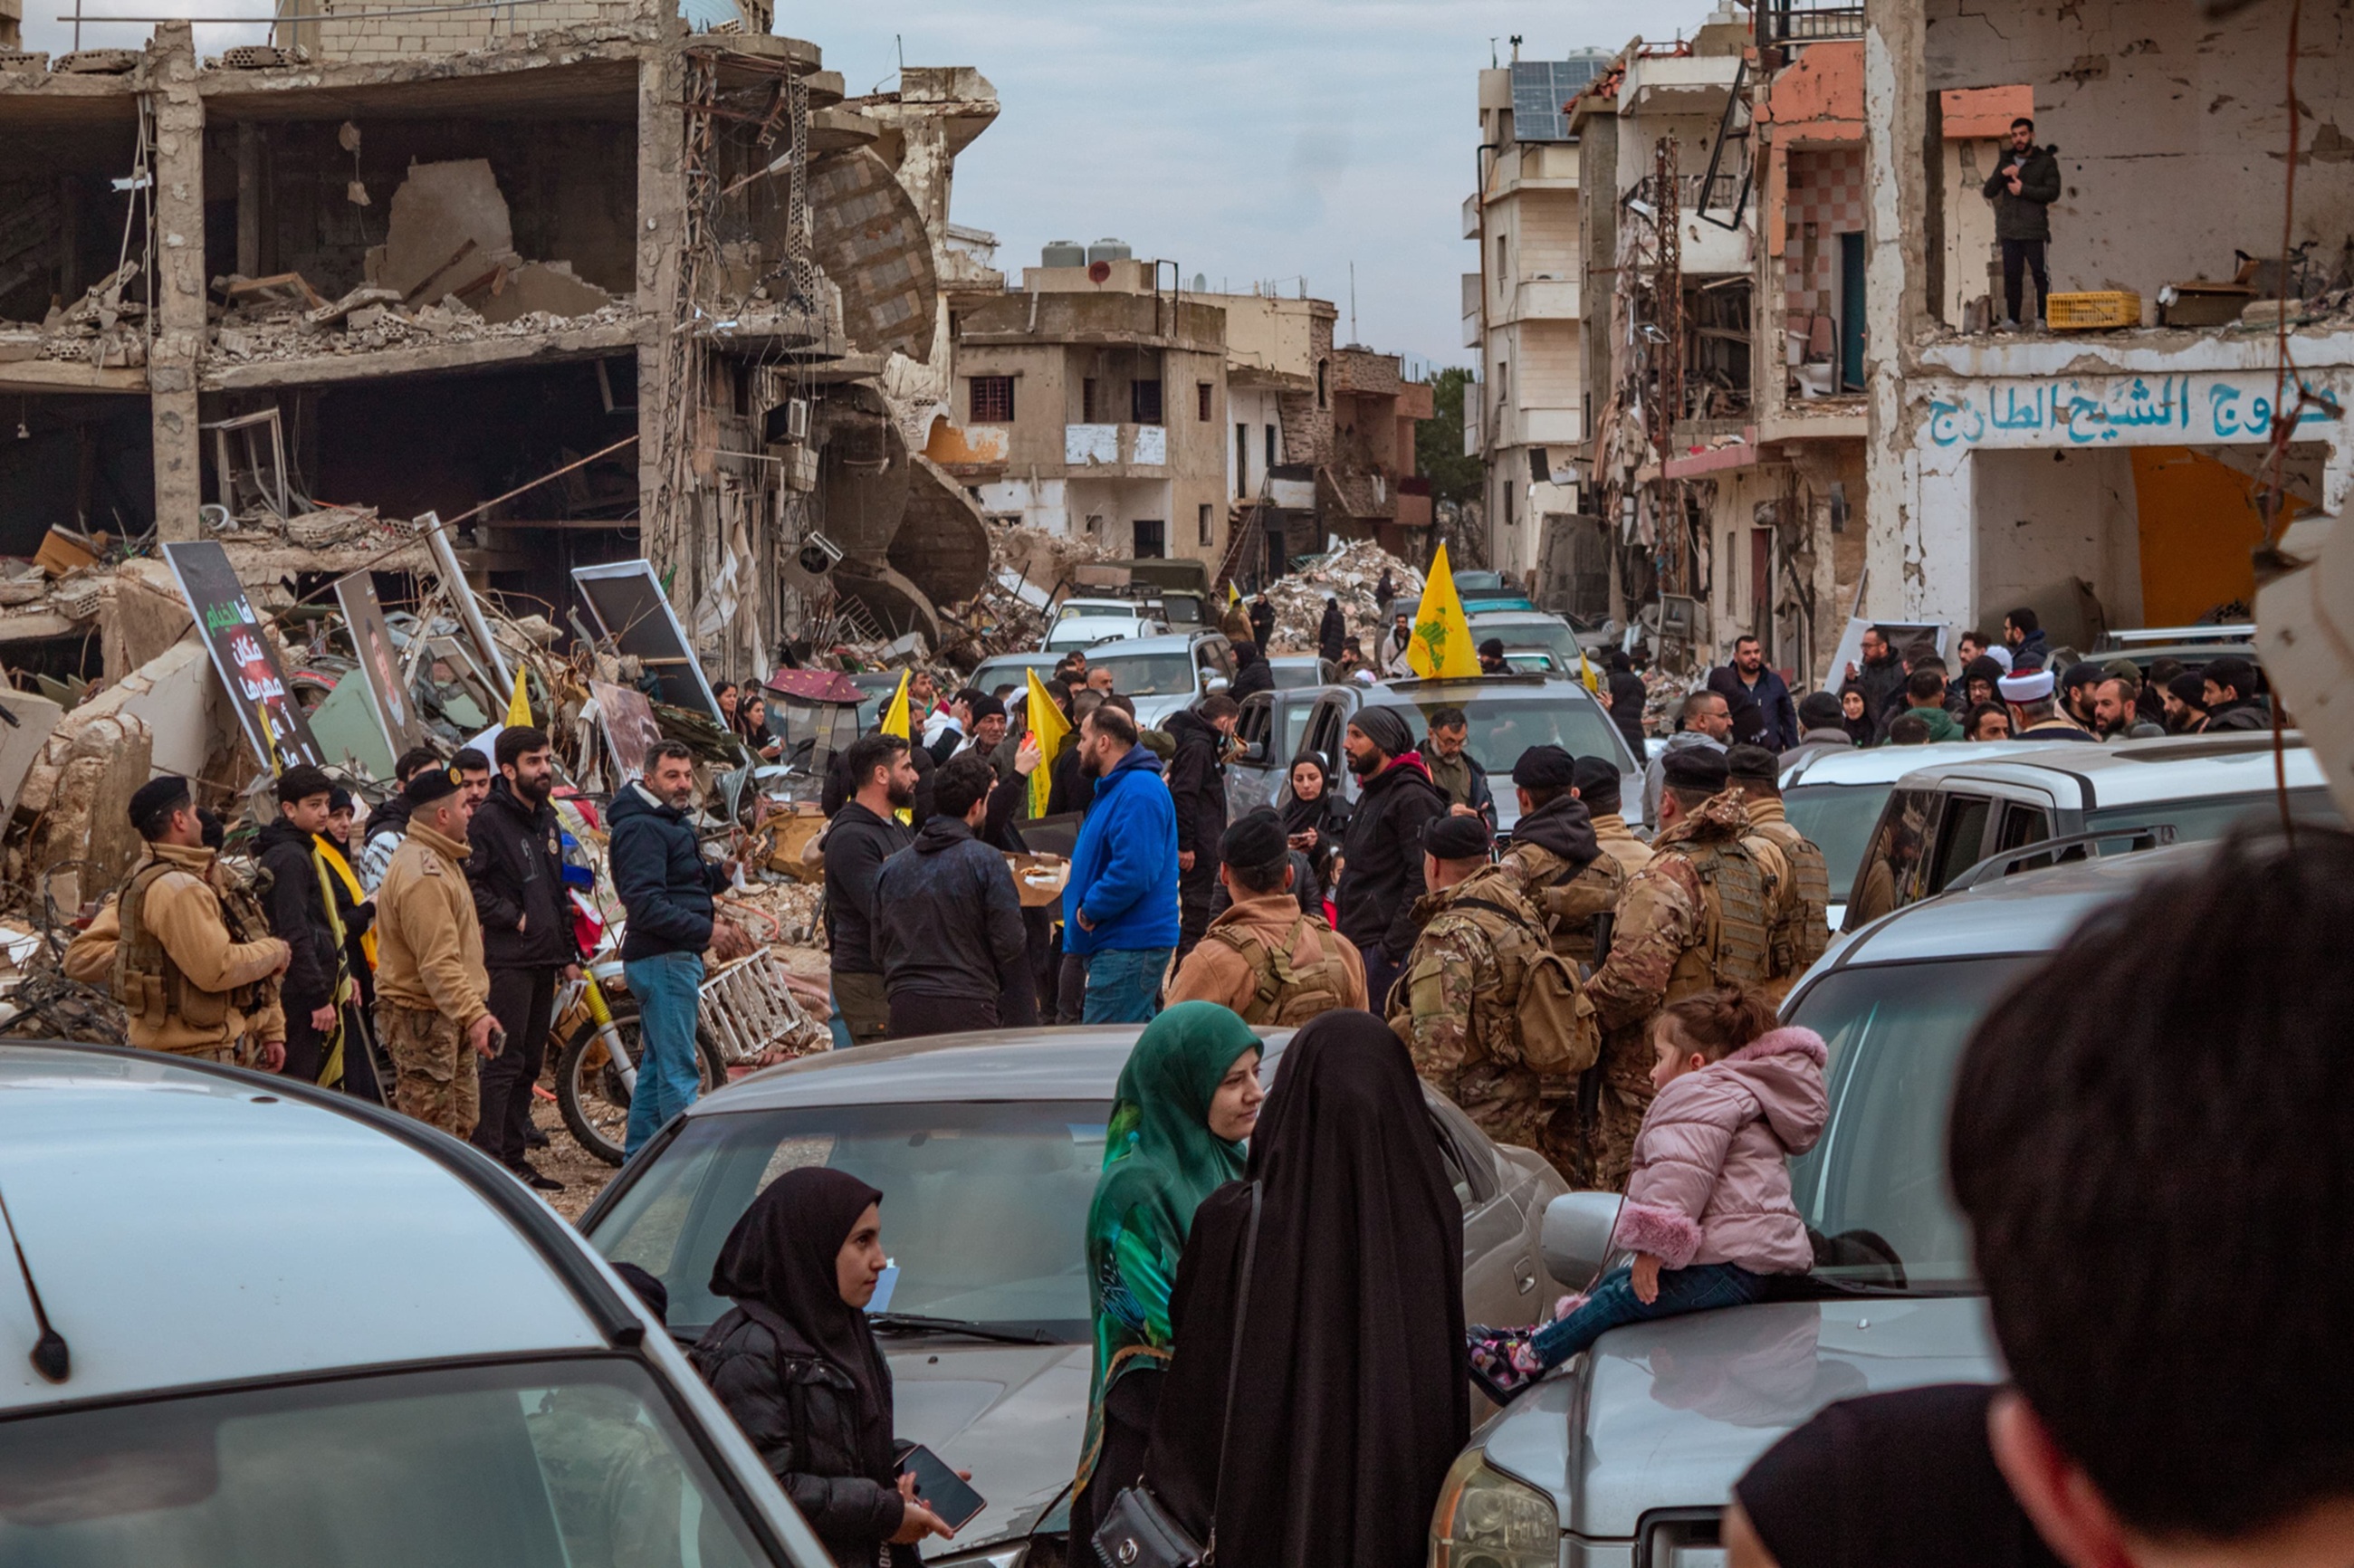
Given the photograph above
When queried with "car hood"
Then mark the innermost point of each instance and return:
(1012, 1414)
(1669, 1413)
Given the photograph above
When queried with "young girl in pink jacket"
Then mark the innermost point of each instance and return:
(1708, 1212)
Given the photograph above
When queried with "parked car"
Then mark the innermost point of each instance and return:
(300, 1329)
(1940, 823)
(986, 1147)
(1273, 730)
(1011, 670)
(1084, 631)
(1506, 714)
(1291, 670)
(1486, 591)
(1834, 798)
(1166, 675)
(1533, 629)
(1629, 1453)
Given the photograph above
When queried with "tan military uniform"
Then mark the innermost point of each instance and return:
(431, 985)
(1802, 927)
(188, 982)
(1700, 914)
(1620, 843)
(1271, 963)
(1570, 908)
(1458, 1017)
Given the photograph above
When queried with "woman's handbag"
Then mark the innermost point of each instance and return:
(1137, 1531)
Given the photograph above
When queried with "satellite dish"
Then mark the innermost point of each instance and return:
(1200, 282)
(1099, 271)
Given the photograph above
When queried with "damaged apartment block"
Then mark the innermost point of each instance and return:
(585, 281)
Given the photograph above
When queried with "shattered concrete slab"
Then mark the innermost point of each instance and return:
(448, 228)
(546, 288)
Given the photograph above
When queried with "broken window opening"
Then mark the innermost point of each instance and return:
(1144, 402)
(989, 400)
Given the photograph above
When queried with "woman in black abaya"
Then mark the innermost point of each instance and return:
(1353, 1388)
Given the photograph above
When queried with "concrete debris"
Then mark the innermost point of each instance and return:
(1010, 613)
(1349, 575)
(382, 325)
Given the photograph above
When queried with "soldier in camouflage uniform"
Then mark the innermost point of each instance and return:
(1456, 1007)
(432, 994)
(1802, 926)
(1700, 915)
(1597, 784)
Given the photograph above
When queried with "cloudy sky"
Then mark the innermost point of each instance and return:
(1247, 140)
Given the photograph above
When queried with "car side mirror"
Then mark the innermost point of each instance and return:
(1577, 1236)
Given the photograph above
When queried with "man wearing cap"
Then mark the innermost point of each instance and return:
(192, 963)
(2079, 684)
(1802, 924)
(432, 994)
(2034, 714)
(1562, 869)
(1456, 1006)
(1380, 874)
(988, 725)
(1700, 915)
(1265, 956)
(1819, 729)
(318, 983)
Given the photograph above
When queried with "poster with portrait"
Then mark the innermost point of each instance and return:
(396, 706)
(631, 728)
(273, 721)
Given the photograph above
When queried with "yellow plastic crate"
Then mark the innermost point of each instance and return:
(2093, 311)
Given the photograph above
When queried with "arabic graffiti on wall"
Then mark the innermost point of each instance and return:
(2077, 412)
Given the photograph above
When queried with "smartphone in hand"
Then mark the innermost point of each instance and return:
(939, 1488)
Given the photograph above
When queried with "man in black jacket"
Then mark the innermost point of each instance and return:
(865, 833)
(1333, 632)
(1197, 782)
(317, 983)
(665, 887)
(2022, 191)
(1380, 878)
(1627, 697)
(515, 867)
(1262, 621)
(1252, 671)
(948, 922)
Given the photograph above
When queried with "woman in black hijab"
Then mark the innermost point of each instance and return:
(1353, 1385)
(797, 1366)
(1313, 824)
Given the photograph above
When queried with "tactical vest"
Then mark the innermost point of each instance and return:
(1286, 996)
(1812, 879)
(1735, 944)
(1572, 900)
(145, 980)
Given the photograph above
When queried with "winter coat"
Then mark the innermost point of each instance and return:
(1711, 1177)
(1881, 683)
(1262, 623)
(1814, 743)
(299, 918)
(1655, 776)
(1464, 773)
(429, 938)
(183, 910)
(1197, 784)
(1257, 676)
(856, 846)
(2034, 651)
(1628, 695)
(799, 1411)
(665, 883)
(1124, 866)
(2028, 214)
(384, 826)
(1941, 724)
(2245, 712)
(1380, 878)
(515, 863)
(1332, 632)
(947, 921)
(1772, 696)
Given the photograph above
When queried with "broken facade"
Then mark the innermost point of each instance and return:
(419, 264)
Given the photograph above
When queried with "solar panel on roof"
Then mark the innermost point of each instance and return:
(1540, 88)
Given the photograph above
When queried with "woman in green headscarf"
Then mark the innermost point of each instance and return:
(1187, 1099)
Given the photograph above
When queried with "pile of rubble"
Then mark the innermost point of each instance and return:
(1349, 575)
(1009, 615)
(381, 321)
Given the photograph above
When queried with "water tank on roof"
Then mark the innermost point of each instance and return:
(1109, 251)
(1063, 253)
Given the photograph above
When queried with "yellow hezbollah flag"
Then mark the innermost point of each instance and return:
(1586, 672)
(1441, 646)
(894, 722)
(1048, 725)
(519, 704)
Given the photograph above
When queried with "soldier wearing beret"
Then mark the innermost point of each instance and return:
(185, 950)
(1700, 915)
(1266, 957)
(432, 994)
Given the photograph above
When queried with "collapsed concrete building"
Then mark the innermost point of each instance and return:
(420, 261)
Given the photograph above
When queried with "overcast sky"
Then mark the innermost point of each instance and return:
(1245, 139)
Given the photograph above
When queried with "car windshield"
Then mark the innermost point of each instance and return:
(542, 1464)
(1148, 675)
(2217, 815)
(1837, 818)
(984, 1204)
(1541, 631)
(1084, 635)
(1874, 1185)
(1499, 730)
(992, 673)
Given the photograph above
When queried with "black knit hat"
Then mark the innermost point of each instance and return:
(1598, 783)
(1386, 728)
(1752, 762)
(1458, 838)
(1695, 768)
(1545, 768)
(1257, 840)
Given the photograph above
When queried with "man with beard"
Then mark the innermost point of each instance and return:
(515, 864)
(1880, 677)
(1749, 680)
(432, 997)
(1380, 875)
(1120, 907)
(865, 833)
(947, 927)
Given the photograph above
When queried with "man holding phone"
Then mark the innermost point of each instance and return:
(2022, 191)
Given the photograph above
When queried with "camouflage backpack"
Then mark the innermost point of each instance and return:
(1286, 996)
(1559, 1034)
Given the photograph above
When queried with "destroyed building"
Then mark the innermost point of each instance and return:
(585, 281)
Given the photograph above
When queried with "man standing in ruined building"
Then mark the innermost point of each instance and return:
(432, 994)
(2022, 191)
(303, 914)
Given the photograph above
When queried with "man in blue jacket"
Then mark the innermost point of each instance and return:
(1119, 908)
(665, 887)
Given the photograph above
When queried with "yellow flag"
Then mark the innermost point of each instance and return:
(894, 722)
(519, 704)
(1586, 673)
(1048, 725)
(1233, 596)
(1441, 646)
